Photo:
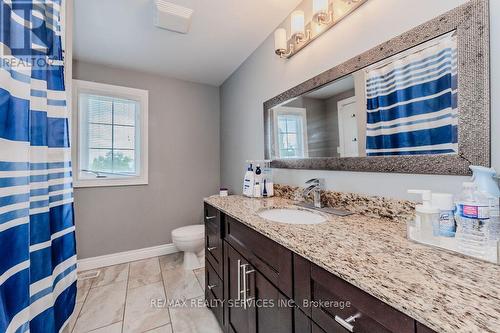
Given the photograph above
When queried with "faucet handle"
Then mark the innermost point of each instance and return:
(315, 181)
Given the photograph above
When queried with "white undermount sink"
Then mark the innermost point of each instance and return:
(292, 216)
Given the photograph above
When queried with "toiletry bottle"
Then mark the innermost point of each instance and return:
(484, 178)
(258, 182)
(444, 202)
(494, 235)
(258, 174)
(264, 190)
(472, 216)
(270, 188)
(249, 182)
(487, 183)
(257, 190)
(427, 218)
(494, 227)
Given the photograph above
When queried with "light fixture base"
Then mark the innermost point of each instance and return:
(323, 18)
(320, 23)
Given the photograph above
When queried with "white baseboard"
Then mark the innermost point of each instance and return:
(127, 256)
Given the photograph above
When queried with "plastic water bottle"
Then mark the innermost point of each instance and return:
(494, 227)
(487, 183)
(473, 222)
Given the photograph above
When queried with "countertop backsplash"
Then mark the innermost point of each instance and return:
(372, 206)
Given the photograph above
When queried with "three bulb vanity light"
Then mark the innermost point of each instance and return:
(325, 14)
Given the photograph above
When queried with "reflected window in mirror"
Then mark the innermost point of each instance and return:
(290, 132)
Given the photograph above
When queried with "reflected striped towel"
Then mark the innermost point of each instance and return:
(412, 102)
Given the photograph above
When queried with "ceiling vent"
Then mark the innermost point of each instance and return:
(172, 17)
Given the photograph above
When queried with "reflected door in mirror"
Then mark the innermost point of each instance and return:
(348, 128)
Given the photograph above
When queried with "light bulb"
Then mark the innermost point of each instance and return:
(320, 6)
(280, 40)
(297, 23)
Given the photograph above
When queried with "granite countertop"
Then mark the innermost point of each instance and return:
(445, 291)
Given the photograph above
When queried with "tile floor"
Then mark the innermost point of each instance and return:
(133, 297)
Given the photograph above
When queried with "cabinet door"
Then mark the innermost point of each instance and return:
(268, 257)
(266, 310)
(270, 310)
(237, 316)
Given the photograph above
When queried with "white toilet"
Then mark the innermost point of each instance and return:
(191, 241)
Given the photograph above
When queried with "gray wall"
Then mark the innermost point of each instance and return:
(183, 167)
(263, 75)
(317, 134)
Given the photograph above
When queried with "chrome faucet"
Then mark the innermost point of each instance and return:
(315, 186)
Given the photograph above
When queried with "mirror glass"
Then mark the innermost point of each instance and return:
(403, 105)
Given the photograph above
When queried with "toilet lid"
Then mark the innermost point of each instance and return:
(190, 232)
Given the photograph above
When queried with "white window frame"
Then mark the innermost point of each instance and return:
(283, 110)
(141, 96)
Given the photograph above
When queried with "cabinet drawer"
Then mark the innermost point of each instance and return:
(304, 324)
(213, 282)
(213, 248)
(423, 329)
(330, 301)
(214, 292)
(213, 238)
(271, 259)
(212, 216)
(333, 328)
(374, 316)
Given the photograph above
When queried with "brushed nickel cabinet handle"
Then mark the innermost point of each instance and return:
(246, 299)
(210, 249)
(244, 267)
(348, 322)
(211, 286)
(239, 280)
(208, 218)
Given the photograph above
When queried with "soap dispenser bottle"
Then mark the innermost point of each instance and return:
(249, 182)
(426, 219)
(257, 193)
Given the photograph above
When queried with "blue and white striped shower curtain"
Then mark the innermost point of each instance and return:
(37, 233)
(412, 103)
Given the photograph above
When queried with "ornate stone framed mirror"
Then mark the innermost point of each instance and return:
(418, 103)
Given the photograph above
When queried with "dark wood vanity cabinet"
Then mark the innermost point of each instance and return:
(284, 292)
(213, 240)
(214, 287)
(268, 257)
(423, 329)
(337, 306)
(254, 303)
